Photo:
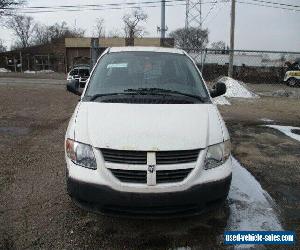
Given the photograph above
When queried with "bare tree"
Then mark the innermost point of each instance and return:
(2, 46)
(44, 34)
(190, 39)
(99, 29)
(220, 45)
(7, 7)
(114, 33)
(63, 30)
(22, 27)
(131, 23)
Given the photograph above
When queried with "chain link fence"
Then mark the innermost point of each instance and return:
(248, 65)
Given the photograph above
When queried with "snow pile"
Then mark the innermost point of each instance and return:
(45, 71)
(266, 120)
(234, 89)
(29, 72)
(3, 70)
(221, 100)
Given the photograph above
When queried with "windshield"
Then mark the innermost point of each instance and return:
(120, 72)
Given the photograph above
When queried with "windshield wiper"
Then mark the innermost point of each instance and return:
(94, 97)
(164, 91)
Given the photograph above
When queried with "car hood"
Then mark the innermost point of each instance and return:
(148, 127)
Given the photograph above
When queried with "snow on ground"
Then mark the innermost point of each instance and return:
(37, 72)
(234, 89)
(221, 100)
(3, 70)
(45, 71)
(266, 120)
(29, 72)
(251, 207)
(287, 130)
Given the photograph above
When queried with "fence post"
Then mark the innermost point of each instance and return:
(230, 66)
(21, 61)
(94, 51)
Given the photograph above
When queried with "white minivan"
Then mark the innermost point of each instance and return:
(145, 137)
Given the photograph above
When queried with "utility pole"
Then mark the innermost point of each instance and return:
(232, 26)
(163, 20)
(200, 13)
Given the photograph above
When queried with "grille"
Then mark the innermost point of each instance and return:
(162, 176)
(130, 176)
(125, 156)
(169, 176)
(175, 157)
(140, 157)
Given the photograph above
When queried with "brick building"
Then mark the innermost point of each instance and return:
(62, 54)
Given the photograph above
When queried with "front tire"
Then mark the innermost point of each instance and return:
(292, 82)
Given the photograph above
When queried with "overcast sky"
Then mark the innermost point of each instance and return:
(257, 27)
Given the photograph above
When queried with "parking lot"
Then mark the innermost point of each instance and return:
(37, 213)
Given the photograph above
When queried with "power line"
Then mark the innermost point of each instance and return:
(92, 5)
(210, 10)
(277, 3)
(118, 6)
(265, 5)
(134, 5)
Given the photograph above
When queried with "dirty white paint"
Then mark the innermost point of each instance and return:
(147, 127)
(251, 207)
(286, 130)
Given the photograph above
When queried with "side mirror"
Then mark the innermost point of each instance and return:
(73, 87)
(218, 89)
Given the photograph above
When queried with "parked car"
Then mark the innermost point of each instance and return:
(80, 73)
(146, 138)
(292, 75)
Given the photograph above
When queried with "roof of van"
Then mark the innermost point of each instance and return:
(146, 49)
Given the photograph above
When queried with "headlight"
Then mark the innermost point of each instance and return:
(81, 154)
(217, 154)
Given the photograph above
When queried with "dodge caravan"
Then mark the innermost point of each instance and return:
(145, 137)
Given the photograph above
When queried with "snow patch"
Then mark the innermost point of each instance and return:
(37, 72)
(221, 100)
(237, 88)
(29, 72)
(287, 130)
(3, 70)
(251, 207)
(234, 89)
(266, 120)
(45, 71)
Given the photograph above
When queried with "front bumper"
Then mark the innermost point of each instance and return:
(101, 198)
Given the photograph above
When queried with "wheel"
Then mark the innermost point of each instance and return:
(292, 82)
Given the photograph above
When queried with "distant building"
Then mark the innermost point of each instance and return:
(62, 54)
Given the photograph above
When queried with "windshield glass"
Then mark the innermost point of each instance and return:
(119, 72)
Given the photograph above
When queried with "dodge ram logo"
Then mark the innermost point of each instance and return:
(151, 168)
